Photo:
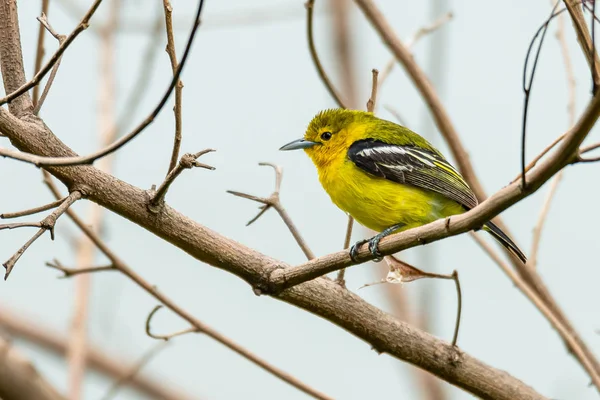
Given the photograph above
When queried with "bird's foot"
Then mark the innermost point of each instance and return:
(374, 247)
(354, 250)
(373, 244)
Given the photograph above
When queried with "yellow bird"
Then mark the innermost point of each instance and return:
(385, 176)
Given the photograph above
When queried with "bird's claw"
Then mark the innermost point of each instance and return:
(374, 248)
(354, 250)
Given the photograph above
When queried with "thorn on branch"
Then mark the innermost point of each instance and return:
(169, 336)
(47, 224)
(273, 201)
(187, 161)
(402, 272)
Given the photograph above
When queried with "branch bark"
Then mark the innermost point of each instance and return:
(321, 297)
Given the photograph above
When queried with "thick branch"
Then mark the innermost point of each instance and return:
(322, 297)
(11, 62)
(111, 365)
(19, 379)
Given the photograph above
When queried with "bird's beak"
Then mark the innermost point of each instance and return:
(298, 144)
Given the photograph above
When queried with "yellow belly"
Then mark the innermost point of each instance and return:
(378, 203)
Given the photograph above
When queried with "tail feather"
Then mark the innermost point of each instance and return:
(504, 240)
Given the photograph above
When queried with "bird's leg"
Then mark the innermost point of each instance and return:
(374, 243)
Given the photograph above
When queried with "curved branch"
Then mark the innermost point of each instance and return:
(117, 144)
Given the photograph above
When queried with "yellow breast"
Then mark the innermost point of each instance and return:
(378, 203)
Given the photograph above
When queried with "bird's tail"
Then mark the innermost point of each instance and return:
(504, 240)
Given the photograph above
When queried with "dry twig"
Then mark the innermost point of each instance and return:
(39, 54)
(178, 87)
(61, 39)
(315, 57)
(188, 161)
(168, 336)
(47, 224)
(114, 146)
(55, 57)
(274, 202)
(118, 264)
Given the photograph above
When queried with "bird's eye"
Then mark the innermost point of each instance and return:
(326, 135)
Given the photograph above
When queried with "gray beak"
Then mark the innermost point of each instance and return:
(298, 144)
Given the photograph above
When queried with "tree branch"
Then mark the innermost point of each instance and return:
(17, 87)
(11, 63)
(19, 379)
(111, 365)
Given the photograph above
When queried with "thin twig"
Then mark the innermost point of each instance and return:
(61, 39)
(411, 41)
(39, 53)
(168, 336)
(188, 161)
(55, 57)
(542, 306)
(571, 82)
(340, 279)
(47, 224)
(66, 161)
(537, 158)
(426, 30)
(528, 85)
(167, 302)
(274, 202)
(69, 272)
(402, 272)
(135, 370)
(34, 210)
(315, 57)
(179, 86)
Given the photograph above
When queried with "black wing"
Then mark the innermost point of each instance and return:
(412, 166)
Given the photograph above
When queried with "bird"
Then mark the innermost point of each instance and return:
(387, 177)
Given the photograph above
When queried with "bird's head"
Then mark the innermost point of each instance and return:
(330, 134)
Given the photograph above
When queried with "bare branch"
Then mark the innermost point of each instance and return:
(78, 160)
(274, 201)
(188, 161)
(571, 82)
(34, 210)
(402, 272)
(179, 86)
(315, 57)
(101, 360)
(134, 371)
(542, 306)
(534, 162)
(207, 330)
(169, 336)
(39, 54)
(61, 39)
(11, 62)
(19, 379)
(427, 29)
(69, 272)
(53, 60)
(47, 224)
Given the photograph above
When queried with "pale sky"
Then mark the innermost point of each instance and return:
(251, 88)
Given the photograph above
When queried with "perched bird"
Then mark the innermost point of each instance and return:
(385, 176)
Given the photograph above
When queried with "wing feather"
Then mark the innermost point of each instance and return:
(414, 166)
